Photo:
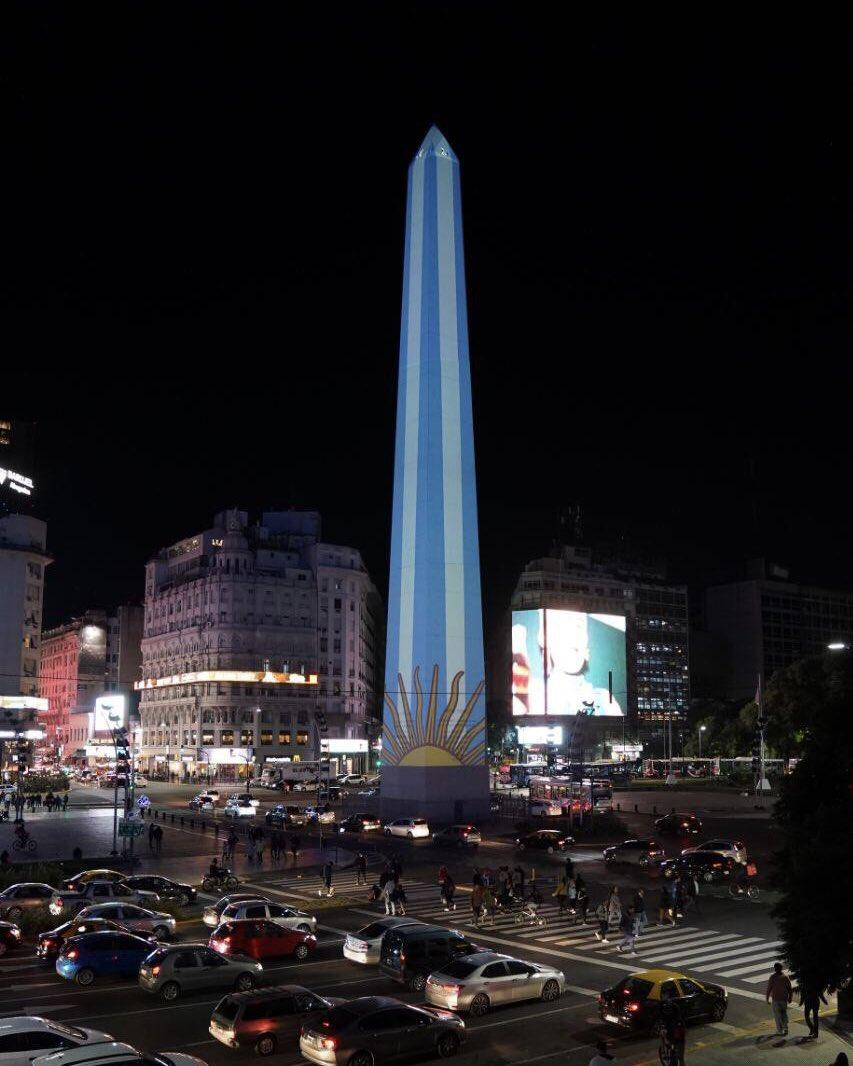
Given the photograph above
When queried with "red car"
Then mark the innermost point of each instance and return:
(260, 939)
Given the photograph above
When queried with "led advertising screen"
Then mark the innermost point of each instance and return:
(110, 712)
(563, 661)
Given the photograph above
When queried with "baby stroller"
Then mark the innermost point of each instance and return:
(526, 912)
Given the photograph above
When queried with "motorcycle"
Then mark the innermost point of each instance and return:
(222, 879)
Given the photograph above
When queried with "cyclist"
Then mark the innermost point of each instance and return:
(22, 833)
(673, 1034)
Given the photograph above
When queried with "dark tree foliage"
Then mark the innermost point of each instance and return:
(813, 868)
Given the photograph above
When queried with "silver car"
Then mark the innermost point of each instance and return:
(365, 945)
(478, 982)
(133, 917)
(210, 914)
(177, 968)
(732, 849)
(27, 895)
(288, 917)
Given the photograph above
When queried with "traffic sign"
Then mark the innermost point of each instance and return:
(143, 802)
(130, 829)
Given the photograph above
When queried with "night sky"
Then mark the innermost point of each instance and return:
(202, 269)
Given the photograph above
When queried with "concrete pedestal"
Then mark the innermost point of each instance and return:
(447, 794)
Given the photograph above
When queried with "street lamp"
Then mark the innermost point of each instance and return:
(702, 729)
(837, 645)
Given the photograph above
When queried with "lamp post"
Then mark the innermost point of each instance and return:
(702, 729)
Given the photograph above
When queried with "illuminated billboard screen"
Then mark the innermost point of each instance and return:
(110, 712)
(563, 661)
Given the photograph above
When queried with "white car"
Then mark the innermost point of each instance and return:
(732, 849)
(289, 917)
(323, 813)
(113, 1054)
(245, 797)
(407, 827)
(233, 809)
(305, 786)
(352, 779)
(365, 945)
(544, 809)
(22, 1039)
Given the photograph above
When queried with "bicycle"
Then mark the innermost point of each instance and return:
(750, 891)
(24, 844)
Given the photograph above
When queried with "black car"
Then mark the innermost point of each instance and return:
(635, 1003)
(680, 824)
(164, 887)
(545, 840)
(360, 823)
(10, 937)
(708, 866)
(410, 953)
(285, 815)
(634, 852)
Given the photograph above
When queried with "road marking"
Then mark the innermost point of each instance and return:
(726, 953)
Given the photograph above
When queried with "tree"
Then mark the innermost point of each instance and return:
(813, 867)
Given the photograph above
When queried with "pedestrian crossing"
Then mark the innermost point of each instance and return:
(707, 953)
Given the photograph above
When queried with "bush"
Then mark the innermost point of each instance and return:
(48, 873)
(35, 920)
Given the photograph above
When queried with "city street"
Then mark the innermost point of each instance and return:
(723, 941)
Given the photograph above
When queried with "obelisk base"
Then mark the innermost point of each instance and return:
(441, 794)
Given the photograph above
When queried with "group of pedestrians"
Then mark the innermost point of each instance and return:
(388, 889)
(155, 838)
(32, 802)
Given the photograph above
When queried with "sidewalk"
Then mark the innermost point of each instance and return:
(760, 1042)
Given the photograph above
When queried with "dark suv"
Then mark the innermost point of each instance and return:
(682, 825)
(410, 954)
(266, 1018)
(708, 866)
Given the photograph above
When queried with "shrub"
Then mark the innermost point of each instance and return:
(35, 920)
(48, 873)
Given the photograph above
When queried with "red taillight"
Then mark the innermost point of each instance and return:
(72, 954)
(685, 825)
(402, 956)
(155, 970)
(633, 1007)
(716, 865)
(58, 902)
(328, 1043)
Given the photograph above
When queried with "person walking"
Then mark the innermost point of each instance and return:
(399, 897)
(691, 892)
(448, 888)
(665, 909)
(779, 994)
(628, 927)
(582, 904)
(811, 997)
(570, 868)
(678, 897)
(327, 878)
(602, 914)
(387, 894)
(614, 907)
(490, 903)
(442, 873)
(476, 904)
(294, 847)
(151, 838)
(65, 803)
(572, 895)
(360, 869)
(158, 840)
(519, 881)
(639, 905)
(561, 893)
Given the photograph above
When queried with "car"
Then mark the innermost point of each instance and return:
(708, 866)
(96, 892)
(115, 1054)
(458, 836)
(364, 946)
(634, 852)
(733, 849)
(50, 942)
(210, 914)
(137, 919)
(378, 1028)
(351, 779)
(234, 809)
(268, 1019)
(285, 814)
(321, 813)
(305, 786)
(679, 824)
(212, 792)
(72, 884)
(261, 940)
(107, 954)
(202, 803)
(172, 969)
(549, 840)
(10, 938)
(245, 797)
(635, 1002)
(24, 1038)
(488, 979)
(407, 827)
(360, 823)
(544, 809)
(370, 790)
(24, 896)
(410, 953)
(287, 917)
(164, 888)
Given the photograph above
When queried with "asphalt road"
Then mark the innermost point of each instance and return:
(725, 942)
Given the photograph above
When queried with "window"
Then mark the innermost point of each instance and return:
(186, 960)
(302, 739)
(247, 737)
(517, 969)
(227, 738)
(207, 737)
(257, 911)
(284, 736)
(266, 736)
(689, 988)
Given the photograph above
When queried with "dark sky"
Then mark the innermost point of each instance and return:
(202, 259)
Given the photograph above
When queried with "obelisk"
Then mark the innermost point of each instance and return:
(434, 730)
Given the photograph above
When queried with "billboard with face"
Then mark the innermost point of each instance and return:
(565, 661)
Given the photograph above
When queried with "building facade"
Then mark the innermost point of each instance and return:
(657, 689)
(257, 638)
(23, 561)
(763, 623)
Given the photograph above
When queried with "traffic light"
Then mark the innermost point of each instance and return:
(122, 748)
(22, 748)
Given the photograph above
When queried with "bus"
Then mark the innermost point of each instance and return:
(518, 774)
(573, 796)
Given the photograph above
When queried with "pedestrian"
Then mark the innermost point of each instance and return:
(327, 878)
(448, 888)
(158, 840)
(519, 880)
(572, 895)
(399, 896)
(602, 913)
(360, 869)
(779, 994)
(614, 906)
(640, 910)
(811, 997)
(628, 927)
(561, 893)
(375, 894)
(490, 904)
(582, 904)
(387, 893)
(691, 891)
(601, 1057)
(570, 868)
(679, 893)
(396, 868)
(151, 837)
(294, 847)
(442, 873)
(476, 904)
(65, 803)
(477, 877)
(250, 846)
(665, 911)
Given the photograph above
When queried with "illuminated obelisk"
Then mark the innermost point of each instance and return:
(434, 730)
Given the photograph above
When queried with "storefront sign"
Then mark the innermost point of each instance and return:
(16, 482)
(237, 677)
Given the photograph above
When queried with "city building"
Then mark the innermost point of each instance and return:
(258, 640)
(23, 561)
(762, 622)
(635, 678)
(96, 653)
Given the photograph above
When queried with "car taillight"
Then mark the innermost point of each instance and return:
(59, 902)
(402, 956)
(685, 825)
(716, 865)
(633, 1007)
(328, 1043)
(72, 953)
(155, 970)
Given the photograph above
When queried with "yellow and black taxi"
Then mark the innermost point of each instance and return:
(635, 1003)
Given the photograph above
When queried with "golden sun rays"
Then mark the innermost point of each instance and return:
(432, 741)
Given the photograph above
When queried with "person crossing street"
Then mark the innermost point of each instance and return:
(779, 995)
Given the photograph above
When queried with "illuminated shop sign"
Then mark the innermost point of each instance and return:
(24, 703)
(17, 482)
(540, 734)
(342, 747)
(239, 677)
